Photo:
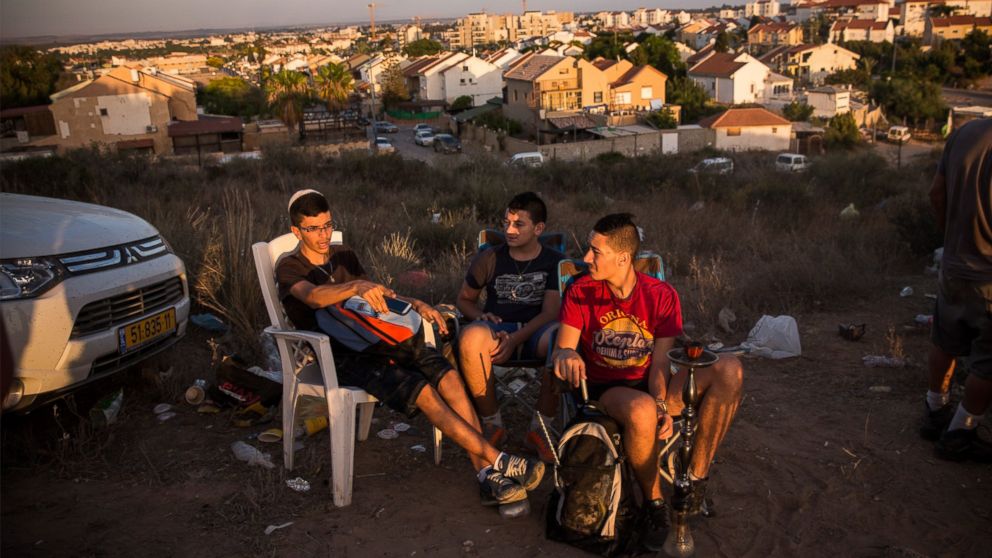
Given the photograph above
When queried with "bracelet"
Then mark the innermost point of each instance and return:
(662, 405)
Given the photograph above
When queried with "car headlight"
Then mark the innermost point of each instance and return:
(28, 277)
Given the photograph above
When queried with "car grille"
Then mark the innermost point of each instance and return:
(115, 256)
(114, 362)
(120, 309)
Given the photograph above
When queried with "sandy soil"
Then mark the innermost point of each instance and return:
(817, 464)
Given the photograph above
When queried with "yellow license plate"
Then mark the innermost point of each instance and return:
(149, 329)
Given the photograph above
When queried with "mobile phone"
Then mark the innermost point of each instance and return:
(398, 306)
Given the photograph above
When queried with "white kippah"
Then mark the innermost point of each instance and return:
(299, 194)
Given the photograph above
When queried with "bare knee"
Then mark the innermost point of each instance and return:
(642, 416)
(476, 338)
(451, 383)
(731, 374)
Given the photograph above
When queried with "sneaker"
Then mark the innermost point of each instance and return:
(497, 490)
(932, 423)
(527, 472)
(699, 504)
(495, 435)
(538, 444)
(962, 444)
(659, 521)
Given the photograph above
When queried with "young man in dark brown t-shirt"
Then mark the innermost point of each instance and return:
(961, 195)
(317, 275)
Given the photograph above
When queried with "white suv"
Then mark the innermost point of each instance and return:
(85, 291)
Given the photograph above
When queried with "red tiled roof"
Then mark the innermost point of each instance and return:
(773, 27)
(21, 111)
(699, 55)
(743, 118)
(959, 20)
(136, 144)
(603, 63)
(721, 64)
(533, 67)
(860, 24)
(630, 74)
(415, 67)
(206, 124)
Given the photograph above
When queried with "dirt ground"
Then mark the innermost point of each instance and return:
(817, 464)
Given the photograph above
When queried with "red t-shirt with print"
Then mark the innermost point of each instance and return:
(618, 335)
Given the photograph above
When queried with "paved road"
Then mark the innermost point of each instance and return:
(403, 142)
(910, 150)
(967, 97)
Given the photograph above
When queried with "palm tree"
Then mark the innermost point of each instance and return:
(285, 91)
(333, 84)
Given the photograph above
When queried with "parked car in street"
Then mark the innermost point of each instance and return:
(716, 165)
(898, 134)
(382, 127)
(86, 291)
(420, 127)
(383, 145)
(447, 143)
(526, 159)
(424, 138)
(791, 162)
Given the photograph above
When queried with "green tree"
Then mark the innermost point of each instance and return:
(662, 119)
(910, 99)
(232, 96)
(661, 53)
(842, 131)
(27, 76)
(333, 84)
(797, 112)
(722, 43)
(609, 46)
(422, 47)
(286, 92)
(215, 62)
(393, 86)
(816, 29)
(691, 97)
(461, 103)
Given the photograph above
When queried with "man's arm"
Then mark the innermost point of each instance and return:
(468, 304)
(938, 200)
(549, 312)
(426, 312)
(319, 296)
(569, 365)
(660, 372)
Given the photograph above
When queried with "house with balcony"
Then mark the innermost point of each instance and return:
(862, 30)
(733, 79)
(810, 63)
(775, 33)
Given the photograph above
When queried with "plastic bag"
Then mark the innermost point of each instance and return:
(774, 337)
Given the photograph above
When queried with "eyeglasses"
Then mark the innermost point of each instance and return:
(328, 226)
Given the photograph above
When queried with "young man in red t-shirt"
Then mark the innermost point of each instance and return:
(617, 326)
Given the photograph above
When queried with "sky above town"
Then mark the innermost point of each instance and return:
(27, 18)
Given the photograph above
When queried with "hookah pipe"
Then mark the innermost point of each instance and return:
(679, 543)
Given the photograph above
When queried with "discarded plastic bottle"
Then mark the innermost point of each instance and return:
(515, 510)
(251, 455)
(105, 411)
(876, 361)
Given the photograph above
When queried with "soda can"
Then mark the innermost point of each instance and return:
(196, 393)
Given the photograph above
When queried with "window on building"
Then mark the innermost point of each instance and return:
(733, 131)
(623, 98)
(647, 92)
(597, 97)
(516, 97)
(103, 112)
(462, 81)
(464, 68)
(774, 130)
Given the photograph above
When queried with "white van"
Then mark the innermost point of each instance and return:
(527, 159)
(716, 165)
(898, 134)
(791, 162)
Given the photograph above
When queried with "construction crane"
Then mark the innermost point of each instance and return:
(372, 19)
(524, 2)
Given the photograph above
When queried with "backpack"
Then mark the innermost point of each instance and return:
(355, 325)
(592, 506)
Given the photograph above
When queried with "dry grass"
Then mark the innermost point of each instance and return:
(762, 242)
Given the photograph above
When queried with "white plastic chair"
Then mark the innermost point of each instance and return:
(306, 373)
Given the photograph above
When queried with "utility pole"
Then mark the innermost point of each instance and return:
(372, 20)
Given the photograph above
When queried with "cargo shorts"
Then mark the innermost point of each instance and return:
(962, 323)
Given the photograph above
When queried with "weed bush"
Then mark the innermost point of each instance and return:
(761, 242)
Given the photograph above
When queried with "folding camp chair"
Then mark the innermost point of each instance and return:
(518, 379)
(308, 369)
(648, 263)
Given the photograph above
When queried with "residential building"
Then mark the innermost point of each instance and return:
(479, 29)
(954, 27)
(862, 30)
(503, 57)
(731, 78)
(639, 88)
(426, 80)
(749, 129)
(774, 34)
(761, 8)
(829, 101)
(810, 63)
(177, 63)
(127, 108)
(472, 77)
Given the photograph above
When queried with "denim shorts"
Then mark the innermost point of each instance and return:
(528, 349)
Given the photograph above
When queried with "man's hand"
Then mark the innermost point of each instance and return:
(374, 293)
(489, 317)
(431, 315)
(505, 346)
(570, 367)
(665, 425)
